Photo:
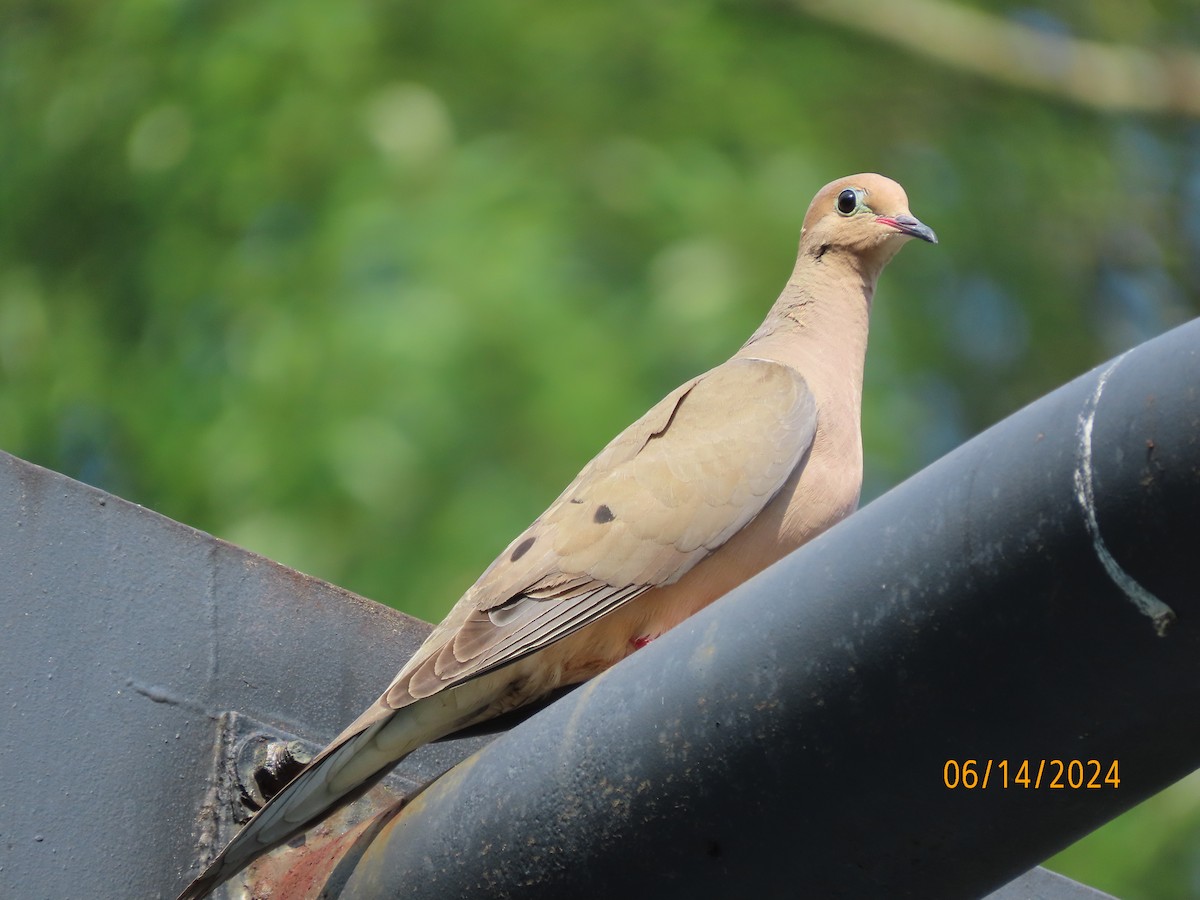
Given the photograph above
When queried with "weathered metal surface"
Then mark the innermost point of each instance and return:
(1032, 596)
(1042, 884)
(124, 639)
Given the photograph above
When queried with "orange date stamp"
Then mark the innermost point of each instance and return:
(1031, 774)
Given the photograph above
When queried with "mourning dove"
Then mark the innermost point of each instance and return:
(728, 473)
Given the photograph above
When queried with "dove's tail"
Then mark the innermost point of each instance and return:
(347, 766)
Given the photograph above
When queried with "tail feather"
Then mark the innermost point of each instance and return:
(321, 785)
(351, 763)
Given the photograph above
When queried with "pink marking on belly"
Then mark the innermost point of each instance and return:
(640, 641)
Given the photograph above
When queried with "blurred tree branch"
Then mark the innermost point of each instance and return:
(1108, 77)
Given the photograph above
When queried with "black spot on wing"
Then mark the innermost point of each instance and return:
(522, 548)
(603, 515)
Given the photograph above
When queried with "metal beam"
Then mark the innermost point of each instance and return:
(125, 641)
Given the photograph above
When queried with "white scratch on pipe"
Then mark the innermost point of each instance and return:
(1147, 604)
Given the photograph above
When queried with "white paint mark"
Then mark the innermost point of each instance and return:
(1147, 604)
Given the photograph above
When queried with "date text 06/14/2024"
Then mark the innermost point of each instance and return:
(1052, 774)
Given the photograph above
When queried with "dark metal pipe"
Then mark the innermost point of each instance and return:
(1009, 603)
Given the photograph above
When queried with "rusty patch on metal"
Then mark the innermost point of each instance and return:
(302, 872)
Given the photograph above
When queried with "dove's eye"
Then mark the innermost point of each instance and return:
(847, 201)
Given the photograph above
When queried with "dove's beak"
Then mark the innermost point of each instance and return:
(908, 225)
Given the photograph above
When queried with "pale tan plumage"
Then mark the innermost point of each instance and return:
(729, 472)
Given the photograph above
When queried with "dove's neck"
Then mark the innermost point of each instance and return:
(818, 327)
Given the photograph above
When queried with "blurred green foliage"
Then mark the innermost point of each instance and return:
(361, 285)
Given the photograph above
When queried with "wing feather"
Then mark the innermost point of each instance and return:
(664, 494)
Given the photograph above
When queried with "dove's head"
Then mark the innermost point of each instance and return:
(864, 216)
